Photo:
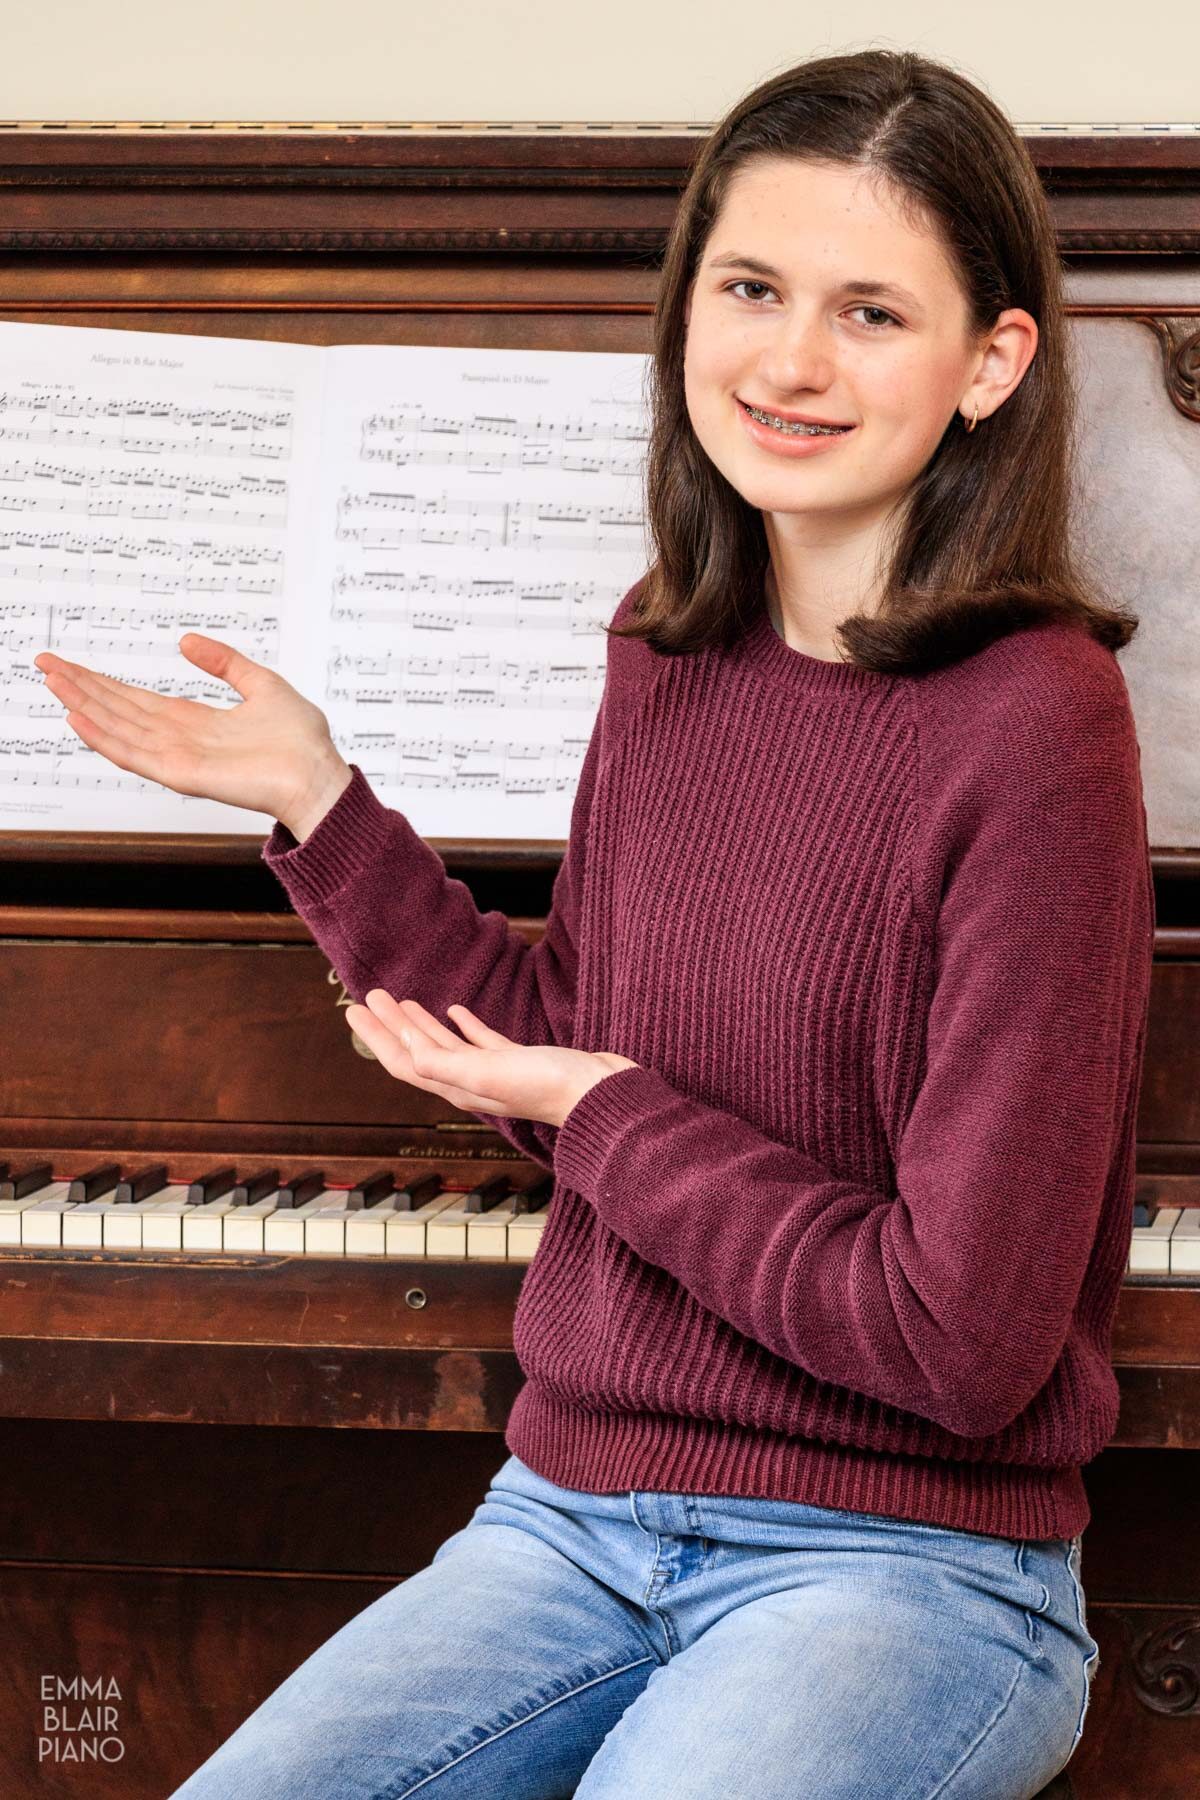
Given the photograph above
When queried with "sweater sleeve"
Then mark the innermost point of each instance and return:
(951, 1297)
(381, 906)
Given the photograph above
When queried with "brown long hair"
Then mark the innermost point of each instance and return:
(982, 546)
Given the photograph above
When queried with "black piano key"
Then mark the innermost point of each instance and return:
(486, 1194)
(416, 1192)
(211, 1187)
(257, 1187)
(1143, 1213)
(534, 1197)
(15, 1187)
(369, 1191)
(95, 1183)
(302, 1188)
(140, 1187)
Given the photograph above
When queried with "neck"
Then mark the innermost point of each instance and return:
(794, 635)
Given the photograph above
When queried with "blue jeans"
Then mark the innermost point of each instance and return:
(655, 1646)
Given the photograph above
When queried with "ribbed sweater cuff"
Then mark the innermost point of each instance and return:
(596, 1126)
(350, 835)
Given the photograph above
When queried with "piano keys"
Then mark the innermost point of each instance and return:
(1168, 1243)
(421, 1217)
(380, 1215)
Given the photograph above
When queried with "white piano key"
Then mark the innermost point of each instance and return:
(405, 1231)
(162, 1229)
(13, 1211)
(83, 1225)
(1185, 1242)
(243, 1225)
(325, 1231)
(366, 1229)
(446, 1235)
(202, 1224)
(284, 1228)
(525, 1234)
(487, 1233)
(122, 1224)
(1150, 1250)
(41, 1223)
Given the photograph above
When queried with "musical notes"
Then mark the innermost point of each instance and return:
(483, 524)
(149, 485)
(484, 444)
(472, 556)
(427, 542)
(141, 492)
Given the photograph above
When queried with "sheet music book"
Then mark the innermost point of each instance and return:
(426, 542)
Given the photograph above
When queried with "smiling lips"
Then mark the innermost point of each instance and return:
(791, 418)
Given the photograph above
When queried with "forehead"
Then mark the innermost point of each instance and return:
(790, 213)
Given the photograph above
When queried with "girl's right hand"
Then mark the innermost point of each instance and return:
(273, 753)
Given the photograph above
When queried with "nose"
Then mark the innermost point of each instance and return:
(799, 355)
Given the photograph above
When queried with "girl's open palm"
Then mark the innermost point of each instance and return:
(273, 753)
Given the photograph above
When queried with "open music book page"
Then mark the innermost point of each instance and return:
(425, 541)
(481, 517)
(150, 484)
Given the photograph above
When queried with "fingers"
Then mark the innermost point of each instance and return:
(223, 661)
(209, 654)
(116, 748)
(381, 1040)
(396, 1060)
(395, 1015)
(127, 733)
(474, 1028)
(108, 709)
(61, 674)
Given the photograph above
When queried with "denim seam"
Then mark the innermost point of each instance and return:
(1092, 1662)
(969, 1752)
(390, 1794)
(1032, 1614)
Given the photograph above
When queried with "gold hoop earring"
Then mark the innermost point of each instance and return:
(975, 420)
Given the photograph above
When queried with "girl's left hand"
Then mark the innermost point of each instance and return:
(481, 1071)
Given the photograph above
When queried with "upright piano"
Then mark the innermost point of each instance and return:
(230, 1421)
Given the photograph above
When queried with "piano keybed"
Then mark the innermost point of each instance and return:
(383, 1215)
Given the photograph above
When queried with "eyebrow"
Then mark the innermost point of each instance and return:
(857, 285)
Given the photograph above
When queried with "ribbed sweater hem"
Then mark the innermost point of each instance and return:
(606, 1453)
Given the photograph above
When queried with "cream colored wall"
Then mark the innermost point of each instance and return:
(1044, 61)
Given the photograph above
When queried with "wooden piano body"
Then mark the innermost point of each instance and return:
(214, 1458)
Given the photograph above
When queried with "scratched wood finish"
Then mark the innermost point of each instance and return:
(207, 1047)
(360, 1343)
(201, 1578)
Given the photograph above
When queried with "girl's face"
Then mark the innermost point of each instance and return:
(816, 296)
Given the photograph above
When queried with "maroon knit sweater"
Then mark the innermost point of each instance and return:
(854, 1231)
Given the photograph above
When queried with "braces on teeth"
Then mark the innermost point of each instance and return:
(793, 426)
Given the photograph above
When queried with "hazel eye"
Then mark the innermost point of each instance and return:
(885, 316)
(734, 285)
(882, 320)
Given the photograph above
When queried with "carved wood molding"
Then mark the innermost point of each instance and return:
(591, 190)
(1099, 242)
(1166, 1668)
(559, 242)
(1179, 340)
(479, 241)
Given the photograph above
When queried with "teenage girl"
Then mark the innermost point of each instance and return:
(833, 1041)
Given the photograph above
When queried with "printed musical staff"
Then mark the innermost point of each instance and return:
(141, 493)
(474, 554)
(429, 543)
